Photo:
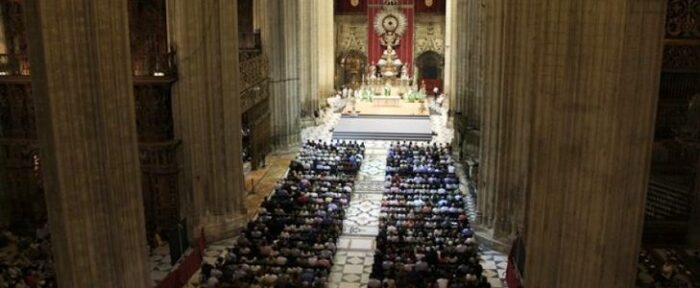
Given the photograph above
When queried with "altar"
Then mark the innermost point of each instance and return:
(387, 100)
(388, 84)
(388, 104)
(396, 109)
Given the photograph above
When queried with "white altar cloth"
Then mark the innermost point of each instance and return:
(386, 100)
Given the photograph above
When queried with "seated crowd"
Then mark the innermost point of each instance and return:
(291, 242)
(667, 268)
(26, 261)
(424, 235)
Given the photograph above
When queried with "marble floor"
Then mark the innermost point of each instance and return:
(355, 256)
(353, 262)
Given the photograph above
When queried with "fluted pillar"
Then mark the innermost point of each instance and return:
(316, 55)
(460, 56)
(280, 37)
(258, 14)
(568, 120)
(452, 53)
(325, 50)
(491, 145)
(595, 87)
(463, 72)
(506, 119)
(206, 113)
(473, 63)
(451, 34)
(307, 55)
(449, 46)
(82, 84)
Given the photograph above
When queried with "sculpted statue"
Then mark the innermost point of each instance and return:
(389, 63)
(389, 39)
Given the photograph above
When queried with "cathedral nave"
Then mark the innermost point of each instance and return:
(349, 143)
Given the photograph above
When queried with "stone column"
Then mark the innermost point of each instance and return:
(449, 54)
(326, 50)
(314, 50)
(280, 39)
(316, 53)
(460, 42)
(595, 84)
(307, 54)
(472, 61)
(506, 121)
(463, 71)
(258, 14)
(82, 82)
(207, 116)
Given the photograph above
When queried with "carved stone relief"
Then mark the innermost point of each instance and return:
(429, 34)
(682, 18)
(351, 33)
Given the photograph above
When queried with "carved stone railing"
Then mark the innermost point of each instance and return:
(255, 95)
(254, 80)
(159, 178)
(255, 104)
(157, 156)
(253, 71)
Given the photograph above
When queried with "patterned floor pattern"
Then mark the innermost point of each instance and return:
(353, 262)
(494, 264)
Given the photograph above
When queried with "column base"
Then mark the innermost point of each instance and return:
(287, 142)
(218, 228)
(457, 146)
(471, 140)
(485, 236)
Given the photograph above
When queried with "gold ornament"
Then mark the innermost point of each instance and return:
(354, 3)
(429, 3)
(390, 24)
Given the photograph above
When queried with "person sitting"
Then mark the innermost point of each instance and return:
(424, 238)
(291, 242)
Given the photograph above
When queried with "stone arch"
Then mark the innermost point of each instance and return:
(351, 67)
(430, 65)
